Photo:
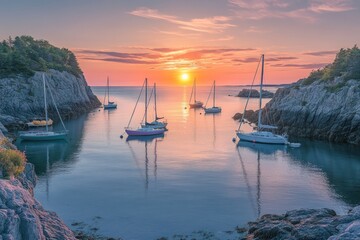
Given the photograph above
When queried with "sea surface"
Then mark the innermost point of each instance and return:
(192, 178)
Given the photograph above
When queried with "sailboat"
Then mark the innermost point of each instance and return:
(109, 105)
(143, 131)
(212, 109)
(195, 104)
(261, 135)
(45, 135)
(155, 123)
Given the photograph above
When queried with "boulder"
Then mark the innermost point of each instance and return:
(255, 93)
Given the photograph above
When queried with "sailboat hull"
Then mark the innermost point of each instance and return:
(110, 106)
(43, 136)
(212, 110)
(262, 137)
(197, 104)
(144, 132)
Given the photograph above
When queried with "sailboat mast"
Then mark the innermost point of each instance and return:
(156, 117)
(214, 96)
(146, 83)
(194, 90)
(261, 85)
(108, 88)
(45, 106)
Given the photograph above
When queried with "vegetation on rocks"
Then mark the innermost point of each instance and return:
(24, 56)
(345, 65)
(12, 162)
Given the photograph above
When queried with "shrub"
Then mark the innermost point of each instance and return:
(12, 162)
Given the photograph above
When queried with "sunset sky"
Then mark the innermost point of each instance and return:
(218, 40)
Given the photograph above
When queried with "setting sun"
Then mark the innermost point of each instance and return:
(184, 77)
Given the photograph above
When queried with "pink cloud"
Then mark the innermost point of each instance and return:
(214, 24)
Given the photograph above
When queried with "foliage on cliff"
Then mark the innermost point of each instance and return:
(346, 65)
(12, 162)
(24, 55)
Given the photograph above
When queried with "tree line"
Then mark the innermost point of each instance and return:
(345, 65)
(23, 56)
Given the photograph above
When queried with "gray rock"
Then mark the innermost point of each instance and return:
(325, 110)
(307, 224)
(22, 99)
(22, 217)
(255, 93)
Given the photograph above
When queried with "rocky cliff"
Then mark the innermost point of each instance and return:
(22, 97)
(22, 217)
(328, 110)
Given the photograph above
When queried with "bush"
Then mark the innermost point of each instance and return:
(12, 162)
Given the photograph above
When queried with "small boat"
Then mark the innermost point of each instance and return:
(39, 122)
(147, 131)
(261, 135)
(212, 109)
(196, 103)
(156, 123)
(109, 105)
(144, 131)
(45, 135)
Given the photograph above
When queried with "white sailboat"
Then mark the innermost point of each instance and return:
(147, 131)
(156, 123)
(212, 109)
(261, 135)
(196, 103)
(45, 135)
(109, 105)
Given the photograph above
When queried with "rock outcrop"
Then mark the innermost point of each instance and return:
(308, 224)
(326, 110)
(255, 93)
(22, 98)
(22, 217)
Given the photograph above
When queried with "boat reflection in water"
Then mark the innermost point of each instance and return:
(147, 140)
(43, 155)
(260, 150)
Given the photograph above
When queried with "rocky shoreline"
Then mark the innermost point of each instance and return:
(309, 224)
(22, 98)
(323, 110)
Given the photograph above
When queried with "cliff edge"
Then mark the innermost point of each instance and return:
(23, 61)
(325, 105)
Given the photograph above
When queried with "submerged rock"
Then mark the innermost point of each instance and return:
(255, 93)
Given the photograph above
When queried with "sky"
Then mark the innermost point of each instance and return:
(174, 41)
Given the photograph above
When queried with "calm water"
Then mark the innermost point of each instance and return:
(192, 178)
